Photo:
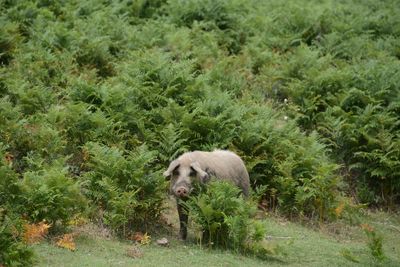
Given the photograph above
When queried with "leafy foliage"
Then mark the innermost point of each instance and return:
(223, 17)
(353, 107)
(13, 251)
(9, 188)
(49, 194)
(124, 186)
(225, 218)
(34, 233)
(98, 97)
(67, 241)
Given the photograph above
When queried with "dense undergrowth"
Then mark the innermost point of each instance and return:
(96, 97)
(228, 221)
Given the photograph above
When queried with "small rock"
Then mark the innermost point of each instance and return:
(163, 242)
(134, 252)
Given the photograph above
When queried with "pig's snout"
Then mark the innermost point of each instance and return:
(182, 191)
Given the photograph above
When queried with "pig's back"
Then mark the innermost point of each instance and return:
(226, 165)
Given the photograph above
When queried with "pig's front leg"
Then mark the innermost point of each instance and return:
(183, 220)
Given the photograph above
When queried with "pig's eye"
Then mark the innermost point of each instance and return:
(175, 172)
(192, 172)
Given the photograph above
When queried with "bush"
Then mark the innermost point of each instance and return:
(13, 251)
(300, 178)
(146, 8)
(221, 16)
(173, 110)
(225, 218)
(306, 93)
(124, 185)
(355, 109)
(9, 39)
(9, 187)
(50, 194)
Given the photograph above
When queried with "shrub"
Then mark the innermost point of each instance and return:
(83, 123)
(282, 158)
(304, 92)
(225, 218)
(354, 108)
(124, 185)
(9, 39)
(9, 187)
(13, 251)
(173, 110)
(50, 194)
(221, 16)
(146, 8)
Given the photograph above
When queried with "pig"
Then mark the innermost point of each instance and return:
(201, 165)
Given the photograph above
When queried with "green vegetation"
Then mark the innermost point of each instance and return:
(300, 246)
(123, 186)
(96, 97)
(374, 243)
(14, 252)
(226, 219)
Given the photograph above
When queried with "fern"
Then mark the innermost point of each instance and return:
(305, 93)
(123, 185)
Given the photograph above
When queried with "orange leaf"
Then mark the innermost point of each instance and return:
(34, 233)
(143, 239)
(67, 241)
(367, 227)
(339, 209)
(137, 236)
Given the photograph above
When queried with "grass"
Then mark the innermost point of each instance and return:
(337, 244)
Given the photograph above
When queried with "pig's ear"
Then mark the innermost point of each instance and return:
(172, 166)
(202, 174)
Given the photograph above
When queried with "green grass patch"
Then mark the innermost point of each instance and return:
(327, 245)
